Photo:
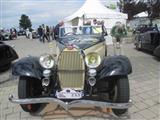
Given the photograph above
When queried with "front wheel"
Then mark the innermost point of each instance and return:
(120, 94)
(29, 88)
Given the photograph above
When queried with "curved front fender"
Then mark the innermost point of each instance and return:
(157, 51)
(7, 54)
(28, 66)
(114, 66)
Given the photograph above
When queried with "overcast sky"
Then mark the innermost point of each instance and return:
(40, 11)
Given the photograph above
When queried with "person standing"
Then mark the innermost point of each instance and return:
(15, 33)
(118, 32)
(56, 30)
(30, 33)
(48, 33)
(44, 33)
(94, 22)
(40, 33)
(104, 30)
(52, 32)
(87, 29)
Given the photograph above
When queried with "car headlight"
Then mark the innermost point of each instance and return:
(46, 61)
(92, 60)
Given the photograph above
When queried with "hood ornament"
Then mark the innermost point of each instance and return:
(70, 46)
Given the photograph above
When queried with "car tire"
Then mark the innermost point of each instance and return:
(26, 89)
(120, 94)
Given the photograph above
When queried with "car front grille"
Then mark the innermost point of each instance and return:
(71, 69)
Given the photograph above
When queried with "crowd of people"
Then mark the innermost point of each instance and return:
(95, 22)
(48, 33)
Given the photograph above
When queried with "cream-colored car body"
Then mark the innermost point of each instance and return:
(99, 48)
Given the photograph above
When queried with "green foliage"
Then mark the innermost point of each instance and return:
(25, 22)
(112, 6)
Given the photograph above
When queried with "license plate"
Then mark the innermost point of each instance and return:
(69, 94)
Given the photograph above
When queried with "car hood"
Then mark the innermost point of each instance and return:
(81, 42)
(6, 33)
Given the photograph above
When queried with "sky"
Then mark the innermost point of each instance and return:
(48, 12)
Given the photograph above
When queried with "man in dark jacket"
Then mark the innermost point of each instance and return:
(40, 33)
(56, 29)
(104, 30)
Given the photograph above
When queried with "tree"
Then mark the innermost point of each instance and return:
(111, 6)
(133, 7)
(25, 22)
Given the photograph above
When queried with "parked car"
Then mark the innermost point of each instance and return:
(21, 32)
(79, 73)
(5, 35)
(148, 40)
(34, 34)
(31, 34)
(7, 55)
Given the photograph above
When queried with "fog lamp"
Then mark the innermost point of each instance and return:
(92, 81)
(45, 82)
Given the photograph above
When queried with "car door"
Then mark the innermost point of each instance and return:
(146, 41)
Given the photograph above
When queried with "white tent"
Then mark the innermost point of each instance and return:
(94, 9)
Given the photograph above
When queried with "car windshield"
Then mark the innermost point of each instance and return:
(80, 30)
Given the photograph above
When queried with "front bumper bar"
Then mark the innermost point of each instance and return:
(74, 103)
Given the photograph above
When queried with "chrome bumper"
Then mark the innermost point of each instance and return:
(74, 103)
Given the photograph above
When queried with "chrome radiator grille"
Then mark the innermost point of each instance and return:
(71, 69)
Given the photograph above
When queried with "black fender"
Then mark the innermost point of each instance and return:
(7, 54)
(114, 66)
(157, 51)
(28, 66)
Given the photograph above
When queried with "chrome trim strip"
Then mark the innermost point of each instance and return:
(68, 105)
(73, 71)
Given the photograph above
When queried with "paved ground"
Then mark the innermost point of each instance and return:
(144, 85)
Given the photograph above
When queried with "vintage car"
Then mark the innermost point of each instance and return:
(5, 35)
(21, 32)
(35, 34)
(79, 73)
(8, 55)
(32, 34)
(148, 39)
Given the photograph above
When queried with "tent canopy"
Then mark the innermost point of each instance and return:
(94, 9)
